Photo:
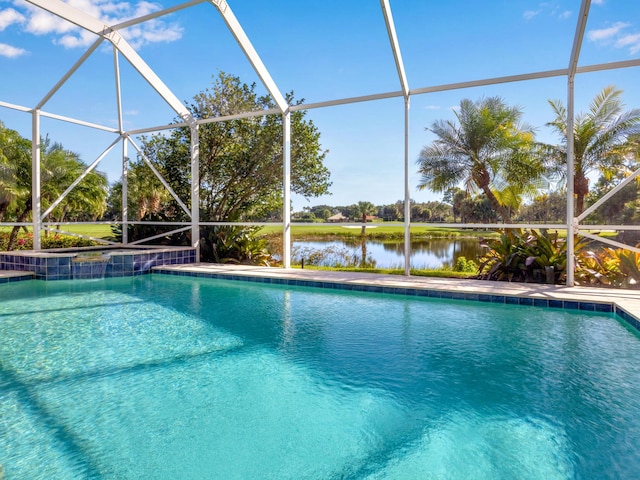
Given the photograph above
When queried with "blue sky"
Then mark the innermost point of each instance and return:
(322, 50)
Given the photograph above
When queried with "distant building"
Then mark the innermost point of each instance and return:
(338, 217)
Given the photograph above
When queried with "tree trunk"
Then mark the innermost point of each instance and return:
(14, 231)
(482, 179)
(364, 224)
(581, 190)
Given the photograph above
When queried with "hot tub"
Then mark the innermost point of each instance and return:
(94, 262)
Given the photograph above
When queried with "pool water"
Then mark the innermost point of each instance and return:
(164, 377)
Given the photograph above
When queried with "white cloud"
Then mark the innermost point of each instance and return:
(11, 52)
(548, 9)
(632, 41)
(9, 16)
(432, 107)
(606, 33)
(615, 37)
(597, 2)
(110, 12)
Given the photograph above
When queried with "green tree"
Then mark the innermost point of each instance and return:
(364, 209)
(547, 207)
(15, 163)
(59, 168)
(600, 139)
(487, 149)
(240, 159)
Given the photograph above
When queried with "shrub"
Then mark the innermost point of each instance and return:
(464, 265)
(25, 241)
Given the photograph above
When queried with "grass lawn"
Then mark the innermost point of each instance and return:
(374, 230)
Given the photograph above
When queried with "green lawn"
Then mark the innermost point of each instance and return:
(374, 230)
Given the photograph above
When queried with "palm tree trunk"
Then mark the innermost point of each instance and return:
(504, 212)
(482, 178)
(581, 190)
(14, 231)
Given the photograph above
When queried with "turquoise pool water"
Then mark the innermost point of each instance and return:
(164, 377)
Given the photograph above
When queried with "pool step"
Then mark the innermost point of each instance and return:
(7, 276)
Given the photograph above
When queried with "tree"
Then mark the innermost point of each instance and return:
(59, 168)
(390, 213)
(240, 159)
(487, 149)
(365, 209)
(600, 139)
(547, 207)
(15, 164)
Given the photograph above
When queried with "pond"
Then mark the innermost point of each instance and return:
(425, 253)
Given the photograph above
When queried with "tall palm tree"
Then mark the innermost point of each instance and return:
(487, 149)
(59, 168)
(15, 161)
(601, 139)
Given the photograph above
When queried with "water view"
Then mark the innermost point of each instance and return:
(425, 253)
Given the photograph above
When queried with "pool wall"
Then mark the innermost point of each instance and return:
(73, 265)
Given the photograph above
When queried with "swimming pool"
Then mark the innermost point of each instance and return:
(160, 377)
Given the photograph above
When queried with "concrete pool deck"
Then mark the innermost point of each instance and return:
(627, 300)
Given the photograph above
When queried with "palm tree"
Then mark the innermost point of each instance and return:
(59, 168)
(487, 149)
(15, 161)
(600, 139)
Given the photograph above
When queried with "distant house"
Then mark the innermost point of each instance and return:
(338, 217)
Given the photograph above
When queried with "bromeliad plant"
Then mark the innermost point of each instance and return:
(526, 256)
(504, 260)
(235, 244)
(609, 267)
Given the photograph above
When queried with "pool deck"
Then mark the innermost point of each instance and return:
(628, 300)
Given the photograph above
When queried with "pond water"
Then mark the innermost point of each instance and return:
(425, 253)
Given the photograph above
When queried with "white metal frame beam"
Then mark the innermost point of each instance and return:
(79, 179)
(572, 222)
(250, 52)
(92, 24)
(402, 76)
(160, 177)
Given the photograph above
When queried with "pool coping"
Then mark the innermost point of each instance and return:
(625, 303)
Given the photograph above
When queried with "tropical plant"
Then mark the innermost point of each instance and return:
(59, 168)
(235, 244)
(15, 161)
(600, 140)
(527, 256)
(618, 268)
(487, 149)
(504, 260)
